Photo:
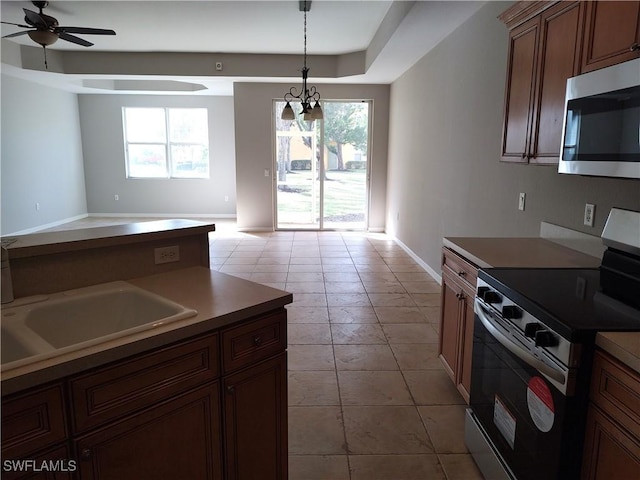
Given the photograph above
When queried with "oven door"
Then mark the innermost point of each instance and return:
(529, 425)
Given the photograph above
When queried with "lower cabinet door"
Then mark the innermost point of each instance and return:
(255, 421)
(609, 452)
(176, 439)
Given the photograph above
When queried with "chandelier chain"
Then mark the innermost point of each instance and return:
(305, 37)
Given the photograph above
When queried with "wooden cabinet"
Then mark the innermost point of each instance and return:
(612, 437)
(34, 430)
(612, 33)
(457, 316)
(153, 421)
(178, 438)
(544, 52)
(211, 407)
(255, 406)
(33, 421)
(255, 399)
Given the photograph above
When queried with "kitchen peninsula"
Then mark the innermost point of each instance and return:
(201, 397)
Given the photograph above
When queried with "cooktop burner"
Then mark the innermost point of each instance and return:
(569, 300)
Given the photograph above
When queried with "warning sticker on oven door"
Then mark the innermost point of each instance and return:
(540, 403)
(505, 421)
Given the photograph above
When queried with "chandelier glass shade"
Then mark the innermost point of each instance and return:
(307, 94)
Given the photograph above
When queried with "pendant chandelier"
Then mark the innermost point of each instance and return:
(307, 94)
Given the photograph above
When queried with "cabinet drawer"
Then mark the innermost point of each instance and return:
(254, 341)
(129, 385)
(33, 421)
(458, 266)
(615, 388)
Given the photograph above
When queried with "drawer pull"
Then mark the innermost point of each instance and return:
(460, 296)
(635, 47)
(257, 340)
(85, 454)
(231, 389)
(462, 273)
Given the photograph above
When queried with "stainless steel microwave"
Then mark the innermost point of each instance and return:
(601, 131)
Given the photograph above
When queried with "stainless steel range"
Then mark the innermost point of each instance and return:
(534, 336)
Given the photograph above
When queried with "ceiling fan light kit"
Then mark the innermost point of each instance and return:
(307, 94)
(48, 30)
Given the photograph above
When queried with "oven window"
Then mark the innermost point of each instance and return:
(529, 421)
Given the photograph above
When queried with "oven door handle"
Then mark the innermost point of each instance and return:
(525, 356)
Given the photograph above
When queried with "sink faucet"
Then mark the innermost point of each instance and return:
(6, 286)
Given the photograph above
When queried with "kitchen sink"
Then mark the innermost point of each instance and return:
(83, 317)
(12, 348)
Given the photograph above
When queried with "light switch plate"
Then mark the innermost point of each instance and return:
(521, 199)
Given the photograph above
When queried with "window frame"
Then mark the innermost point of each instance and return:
(169, 164)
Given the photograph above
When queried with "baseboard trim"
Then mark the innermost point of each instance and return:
(436, 275)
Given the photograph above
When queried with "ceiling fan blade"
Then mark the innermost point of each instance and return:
(17, 24)
(34, 18)
(18, 33)
(74, 39)
(85, 30)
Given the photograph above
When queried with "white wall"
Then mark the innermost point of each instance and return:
(444, 174)
(103, 147)
(255, 148)
(41, 156)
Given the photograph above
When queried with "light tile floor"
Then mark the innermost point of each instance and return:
(368, 398)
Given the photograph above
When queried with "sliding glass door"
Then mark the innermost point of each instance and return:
(322, 167)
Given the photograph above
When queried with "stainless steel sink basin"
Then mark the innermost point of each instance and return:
(79, 318)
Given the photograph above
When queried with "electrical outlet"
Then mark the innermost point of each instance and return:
(521, 199)
(589, 214)
(167, 254)
(37, 206)
(116, 197)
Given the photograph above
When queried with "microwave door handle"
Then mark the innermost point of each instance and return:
(525, 356)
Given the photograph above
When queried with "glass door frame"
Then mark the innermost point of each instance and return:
(321, 168)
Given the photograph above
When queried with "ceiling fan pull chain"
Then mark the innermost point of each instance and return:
(46, 66)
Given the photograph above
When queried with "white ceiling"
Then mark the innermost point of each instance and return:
(394, 36)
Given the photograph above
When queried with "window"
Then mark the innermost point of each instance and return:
(166, 142)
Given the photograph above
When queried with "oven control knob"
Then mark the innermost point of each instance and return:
(530, 329)
(544, 338)
(481, 291)
(511, 311)
(492, 297)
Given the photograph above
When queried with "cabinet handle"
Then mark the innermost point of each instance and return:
(462, 273)
(231, 389)
(257, 340)
(634, 48)
(460, 296)
(85, 454)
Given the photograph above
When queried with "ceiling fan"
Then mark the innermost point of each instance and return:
(45, 30)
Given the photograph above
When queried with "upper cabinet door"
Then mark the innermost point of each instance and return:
(558, 59)
(519, 91)
(612, 34)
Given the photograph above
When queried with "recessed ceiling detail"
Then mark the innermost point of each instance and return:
(144, 85)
